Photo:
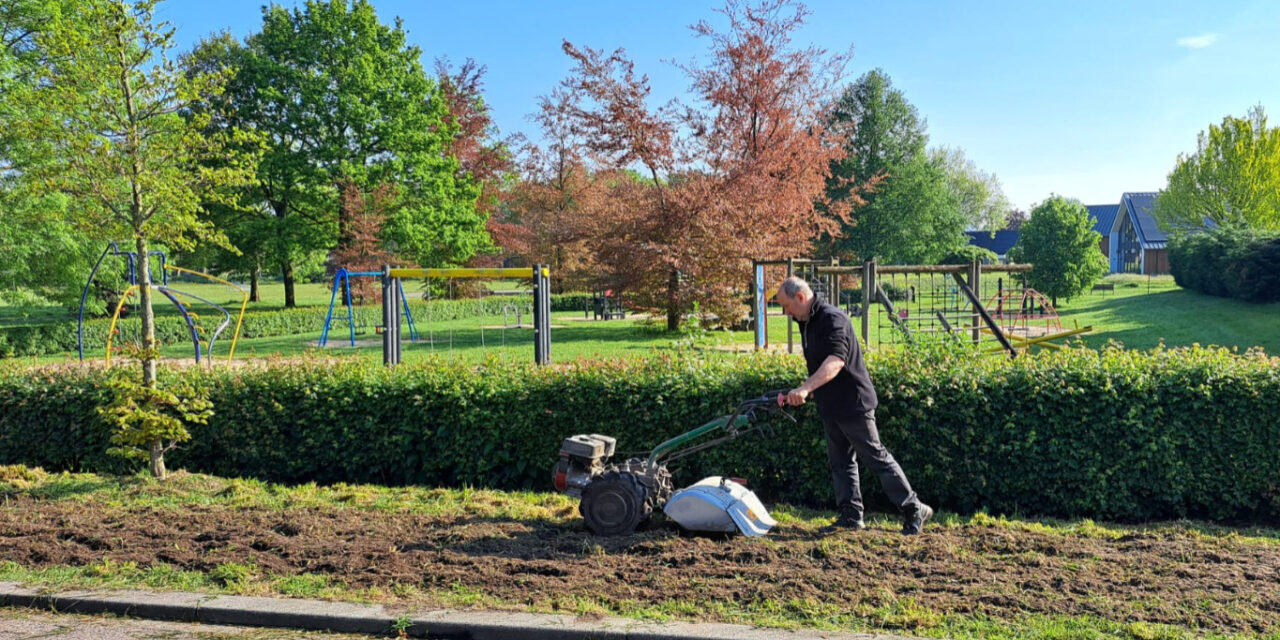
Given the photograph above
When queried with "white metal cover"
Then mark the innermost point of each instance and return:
(719, 504)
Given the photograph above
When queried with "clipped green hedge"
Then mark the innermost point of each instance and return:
(1113, 434)
(57, 338)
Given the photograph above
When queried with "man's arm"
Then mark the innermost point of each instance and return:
(826, 372)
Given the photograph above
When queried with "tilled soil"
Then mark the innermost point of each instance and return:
(1176, 577)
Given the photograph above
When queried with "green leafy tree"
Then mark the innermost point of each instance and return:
(342, 100)
(146, 417)
(912, 212)
(22, 56)
(969, 253)
(106, 122)
(1233, 178)
(46, 257)
(889, 129)
(911, 218)
(977, 193)
(1062, 247)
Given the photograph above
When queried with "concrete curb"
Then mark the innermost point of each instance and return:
(343, 617)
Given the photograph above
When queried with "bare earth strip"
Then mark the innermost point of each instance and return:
(1176, 577)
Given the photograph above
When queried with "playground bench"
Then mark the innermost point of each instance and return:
(1106, 286)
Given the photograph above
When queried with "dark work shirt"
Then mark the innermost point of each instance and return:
(830, 333)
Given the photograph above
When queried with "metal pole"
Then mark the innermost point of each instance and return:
(541, 315)
(758, 308)
(395, 319)
(388, 304)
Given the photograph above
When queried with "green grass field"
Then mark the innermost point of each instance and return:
(1140, 313)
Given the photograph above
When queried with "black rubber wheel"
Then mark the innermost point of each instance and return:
(614, 504)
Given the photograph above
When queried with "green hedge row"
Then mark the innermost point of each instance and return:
(1112, 435)
(1228, 263)
(57, 338)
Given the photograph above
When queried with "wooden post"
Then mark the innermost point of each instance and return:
(791, 270)
(975, 285)
(868, 298)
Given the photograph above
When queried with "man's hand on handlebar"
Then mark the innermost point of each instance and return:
(793, 398)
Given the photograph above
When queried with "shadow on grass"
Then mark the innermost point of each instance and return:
(1180, 318)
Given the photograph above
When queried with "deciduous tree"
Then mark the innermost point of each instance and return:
(482, 157)
(918, 207)
(683, 227)
(47, 258)
(341, 98)
(1059, 241)
(556, 209)
(977, 193)
(1016, 218)
(1232, 179)
(361, 248)
(105, 118)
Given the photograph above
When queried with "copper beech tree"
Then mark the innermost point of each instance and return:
(558, 202)
(685, 196)
(360, 246)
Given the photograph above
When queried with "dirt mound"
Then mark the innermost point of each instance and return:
(1179, 578)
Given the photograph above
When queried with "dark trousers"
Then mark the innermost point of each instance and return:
(856, 437)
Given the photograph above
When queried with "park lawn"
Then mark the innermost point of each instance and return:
(1143, 312)
(1140, 313)
(974, 576)
(272, 294)
(469, 339)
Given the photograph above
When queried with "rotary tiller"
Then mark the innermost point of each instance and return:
(618, 498)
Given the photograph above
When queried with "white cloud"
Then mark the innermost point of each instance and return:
(1198, 42)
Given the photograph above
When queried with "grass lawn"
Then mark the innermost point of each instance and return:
(973, 576)
(272, 295)
(1143, 311)
(471, 339)
(1140, 313)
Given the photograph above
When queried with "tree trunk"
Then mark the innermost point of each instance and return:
(157, 460)
(673, 301)
(253, 284)
(148, 315)
(149, 345)
(286, 270)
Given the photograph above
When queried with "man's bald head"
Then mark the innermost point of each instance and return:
(796, 298)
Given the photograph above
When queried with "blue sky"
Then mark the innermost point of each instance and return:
(1086, 99)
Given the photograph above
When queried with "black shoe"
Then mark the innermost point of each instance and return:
(848, 520)
(914, 521)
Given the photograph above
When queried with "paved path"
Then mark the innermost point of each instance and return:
(342, 617)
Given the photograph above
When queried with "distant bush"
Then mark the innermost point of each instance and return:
(1230, 263)
(1114, 434)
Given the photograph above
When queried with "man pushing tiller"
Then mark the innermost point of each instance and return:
(839, 382)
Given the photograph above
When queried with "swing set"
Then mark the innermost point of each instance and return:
(342, 282)
(393, 297)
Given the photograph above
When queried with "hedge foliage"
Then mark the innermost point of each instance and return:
(1229, 263)
(1113, 434)
(58, 338)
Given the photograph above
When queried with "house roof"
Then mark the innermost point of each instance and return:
(1137, 206)
(1104, 216)
(998, 244)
